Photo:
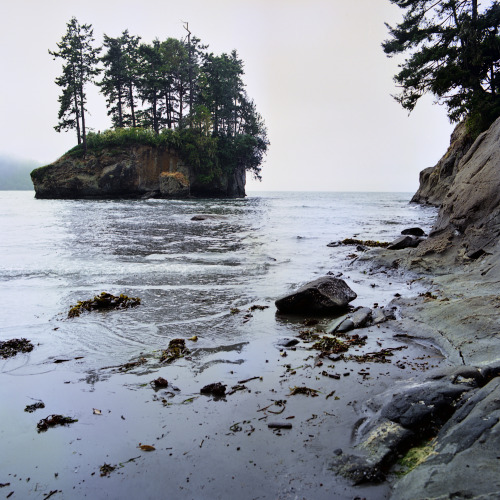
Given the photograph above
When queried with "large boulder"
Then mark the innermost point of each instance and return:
(325, 295)
(174, 184)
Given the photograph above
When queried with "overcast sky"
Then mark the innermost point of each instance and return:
(315, 69)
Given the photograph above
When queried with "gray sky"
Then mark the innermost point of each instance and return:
(315, 69)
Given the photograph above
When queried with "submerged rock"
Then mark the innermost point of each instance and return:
(200, 217)
(325, 295)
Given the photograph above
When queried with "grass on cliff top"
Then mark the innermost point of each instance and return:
(125, 137)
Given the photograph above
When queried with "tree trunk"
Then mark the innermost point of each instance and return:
(181, 100)
(131, 99)
(190, 67)
(169, 108)
(155, 116)
(82, 111)
(120, 106)
(77, 118)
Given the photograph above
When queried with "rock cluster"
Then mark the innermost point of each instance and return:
(445, 422)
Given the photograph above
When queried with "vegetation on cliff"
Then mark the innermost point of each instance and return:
(453, 50)
(170, 93)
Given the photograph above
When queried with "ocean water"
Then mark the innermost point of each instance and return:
(189, 275)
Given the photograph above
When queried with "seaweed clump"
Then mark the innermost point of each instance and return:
(106, 469)
(34, 407)
(413, 458)
(53, 420)
(9, 348)
(334, 345)
(217, 389)
(331, 345)
(105, 301)
(303, 390)
(176, 349)
(365, 243)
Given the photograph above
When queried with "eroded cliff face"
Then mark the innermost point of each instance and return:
(436, 181)
(136, 171)
(468, 222)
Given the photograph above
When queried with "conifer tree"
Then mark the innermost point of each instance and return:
(120, 78)
(79, 68)
(130, 47)
(222, 90)
(175, 80)
(453, 52)
(113, 84)
(151, 84)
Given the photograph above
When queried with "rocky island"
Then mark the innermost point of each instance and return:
(135, 171)
(195, 133)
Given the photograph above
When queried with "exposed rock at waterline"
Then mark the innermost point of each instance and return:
(359, 318)
(402, 419)
(406, 241)
(471, 209)
(413, 231)
(460, 266)
(325, 295)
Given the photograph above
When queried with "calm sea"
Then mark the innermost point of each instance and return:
(187, 273)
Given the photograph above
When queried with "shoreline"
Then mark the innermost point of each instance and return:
(188, 429)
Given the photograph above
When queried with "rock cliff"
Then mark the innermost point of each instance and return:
(468, 224)
(134, 171)
(435, 181)
(460, 265)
